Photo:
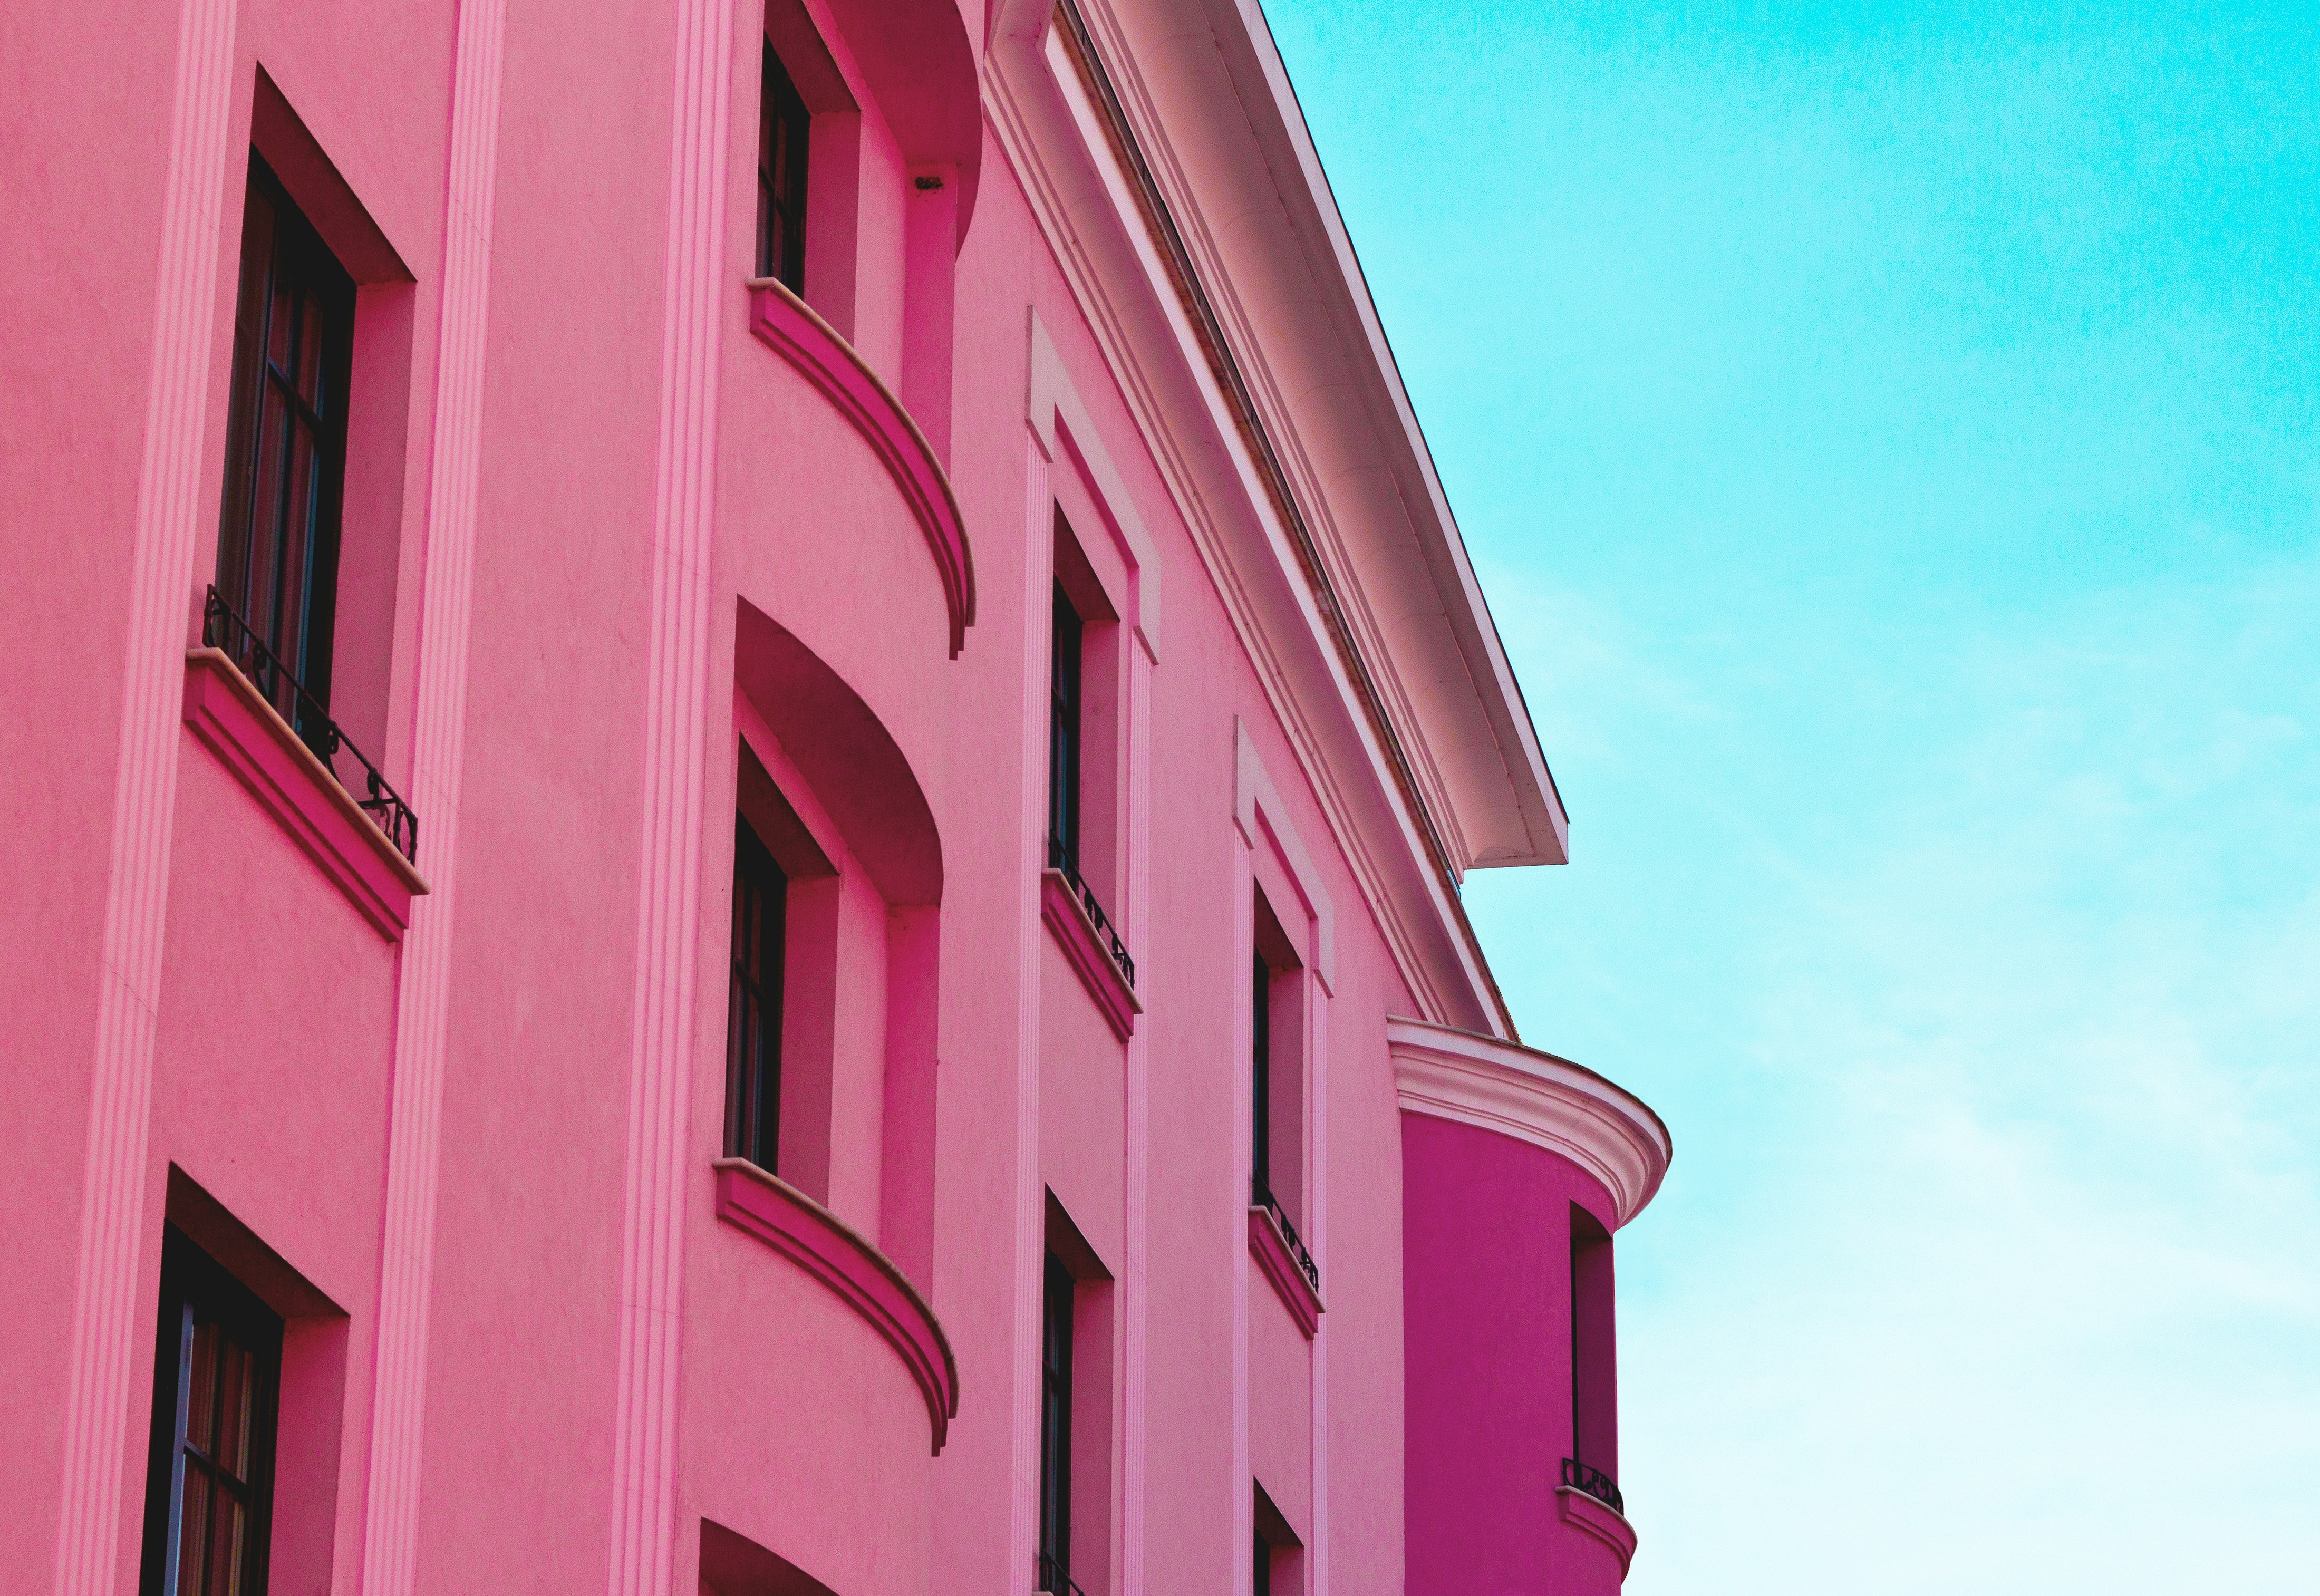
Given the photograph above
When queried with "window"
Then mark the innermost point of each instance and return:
(216, 1381)
(782, 123)
(1064, 736)
(285, 456)
(1260, 1084)
(1056, 1432)
(1279, 1551)
(1594, 1463)
(1277, 1075)
(753, 1023)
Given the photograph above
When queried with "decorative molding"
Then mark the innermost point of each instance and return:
(1269, 1248)
(1185, 278)
(787, 324)
(643, 1546)
(1257, 810)
(390, 1540)
(1136, 1278)
(1601, 1521)
(864, 1279)
(251, 740)
(1075, 934)
(1534, 1097)
(1052, 134)
(107, 1362)
(1020, 1402)
(1057, 414)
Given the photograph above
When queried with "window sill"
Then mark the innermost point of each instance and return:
(252, 740)
(1601, 1521)
(1075, 934)
(1269, 1248)
(833, 1252)
(787, 324)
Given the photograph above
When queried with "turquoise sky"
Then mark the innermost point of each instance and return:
(1887, 439)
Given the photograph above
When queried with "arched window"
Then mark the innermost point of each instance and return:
(837, 884)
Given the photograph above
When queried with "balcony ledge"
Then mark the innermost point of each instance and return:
(1269, 1248)
(789, 326)
(764, 1205)
(1075, 934)
(1601, 1521)
(252, 740)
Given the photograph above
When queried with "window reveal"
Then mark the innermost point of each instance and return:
(1056, 1430)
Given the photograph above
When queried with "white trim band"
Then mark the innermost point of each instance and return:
(1534, 1097)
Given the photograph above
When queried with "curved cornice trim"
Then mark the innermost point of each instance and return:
(782, 320)
(1537, 1098)
(842, 1258)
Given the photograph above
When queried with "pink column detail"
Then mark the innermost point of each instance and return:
(105, 1363)
(644, 1437)
(391, 1530)
(1030, 1203)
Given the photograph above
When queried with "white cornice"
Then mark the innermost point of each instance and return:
(1534, 1097)
(1076, 194)
(1055, 139)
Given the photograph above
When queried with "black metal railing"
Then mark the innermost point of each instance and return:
(1595, 1482)
(1260, 1195)
(1061, 861)
(231, 636)
(1053, 1578)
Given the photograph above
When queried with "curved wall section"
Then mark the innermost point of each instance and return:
(834, 1253)
(1516, 1167)
(785, 323)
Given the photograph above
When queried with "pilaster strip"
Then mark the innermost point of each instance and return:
(1136, 1285)
(1030, 1187)
(390, 1510)
(699, 296)
(105, 1361)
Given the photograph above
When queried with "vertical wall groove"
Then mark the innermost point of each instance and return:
(104, 1362)
(1317, 1022)
(1030, 1189)
(644, 1461)
(391, 1528)
(1137, 1282)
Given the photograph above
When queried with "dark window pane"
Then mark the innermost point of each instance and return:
(753, 1016)
(1260, 1084)
(286, 442)
(216, 1367)
(782, 125)
(1064, 731)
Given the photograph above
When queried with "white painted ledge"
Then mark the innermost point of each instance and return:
(1534, 1097)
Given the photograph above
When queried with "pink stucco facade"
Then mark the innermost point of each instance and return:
(637, 552)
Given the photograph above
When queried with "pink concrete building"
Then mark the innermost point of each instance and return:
(744, 737)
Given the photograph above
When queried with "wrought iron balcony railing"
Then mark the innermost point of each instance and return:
(231, 636)
(1053, 1579)
(1595, 1482)
(1060, 860)
(1262, 1196)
